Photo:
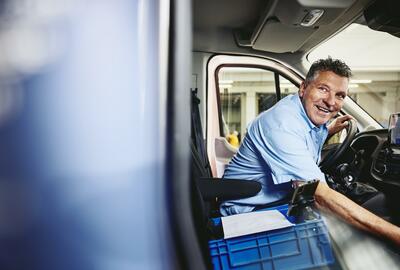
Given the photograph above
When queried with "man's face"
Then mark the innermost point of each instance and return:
(323, 97)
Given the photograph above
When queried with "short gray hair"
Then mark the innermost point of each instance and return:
(335, 65)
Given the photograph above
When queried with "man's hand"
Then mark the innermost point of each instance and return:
(339, 123)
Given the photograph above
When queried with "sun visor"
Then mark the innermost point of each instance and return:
(287, 24)
(280, 38)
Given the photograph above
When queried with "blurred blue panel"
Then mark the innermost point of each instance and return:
(82, 160)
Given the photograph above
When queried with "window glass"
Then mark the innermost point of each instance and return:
(287, 87)
(244, 93)
(375, 60)
(267, 100)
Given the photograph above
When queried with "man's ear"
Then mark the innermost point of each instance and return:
(302, 89)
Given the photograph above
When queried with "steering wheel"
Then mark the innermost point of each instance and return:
(337, 151)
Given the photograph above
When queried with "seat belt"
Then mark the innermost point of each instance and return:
(197, 132)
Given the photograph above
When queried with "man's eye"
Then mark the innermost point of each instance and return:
(341, 97)
(323, 89)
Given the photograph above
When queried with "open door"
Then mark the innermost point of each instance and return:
(239, 88)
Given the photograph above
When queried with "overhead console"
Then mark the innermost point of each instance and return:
(287, 24)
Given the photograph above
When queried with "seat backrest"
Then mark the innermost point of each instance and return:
(199, 168)
(198, 136)
(205, 190)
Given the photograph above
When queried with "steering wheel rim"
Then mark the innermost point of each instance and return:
(332, 158)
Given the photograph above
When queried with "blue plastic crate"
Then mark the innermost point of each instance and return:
(302, 246)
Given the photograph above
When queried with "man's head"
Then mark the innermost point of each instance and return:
(324, 89)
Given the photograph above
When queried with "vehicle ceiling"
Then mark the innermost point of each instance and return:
(268, 27)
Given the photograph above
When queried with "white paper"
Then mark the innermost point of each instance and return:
(253, 222)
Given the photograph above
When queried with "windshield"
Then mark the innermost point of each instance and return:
(374, 59)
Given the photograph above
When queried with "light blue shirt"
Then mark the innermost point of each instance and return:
(281, 144)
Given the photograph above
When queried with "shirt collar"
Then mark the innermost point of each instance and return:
(304, 115)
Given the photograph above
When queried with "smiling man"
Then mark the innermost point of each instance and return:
(323, 95)
(285, 142)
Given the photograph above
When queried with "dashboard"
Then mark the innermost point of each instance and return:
(373, 161)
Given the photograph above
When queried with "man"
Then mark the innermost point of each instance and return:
(285, 142)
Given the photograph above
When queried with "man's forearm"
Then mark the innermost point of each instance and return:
(354, 214)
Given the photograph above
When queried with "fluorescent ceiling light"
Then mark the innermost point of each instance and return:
(360, 81)
(225, 81)
(223, 86)
(287, 86)
(353, 85)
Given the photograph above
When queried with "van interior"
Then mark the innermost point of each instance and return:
(242, 49)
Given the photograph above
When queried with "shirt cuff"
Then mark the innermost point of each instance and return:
(227, 210)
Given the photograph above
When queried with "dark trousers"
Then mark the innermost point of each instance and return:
(379, 206)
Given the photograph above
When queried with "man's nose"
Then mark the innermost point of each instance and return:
(330, 99)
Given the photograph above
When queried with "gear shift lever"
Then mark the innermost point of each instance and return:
(344, 173)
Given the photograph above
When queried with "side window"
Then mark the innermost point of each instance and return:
(287, 87)
(244, 92)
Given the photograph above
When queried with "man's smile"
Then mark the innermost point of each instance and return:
(323, 109)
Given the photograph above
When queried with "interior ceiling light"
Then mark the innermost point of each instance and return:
(312, 17)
